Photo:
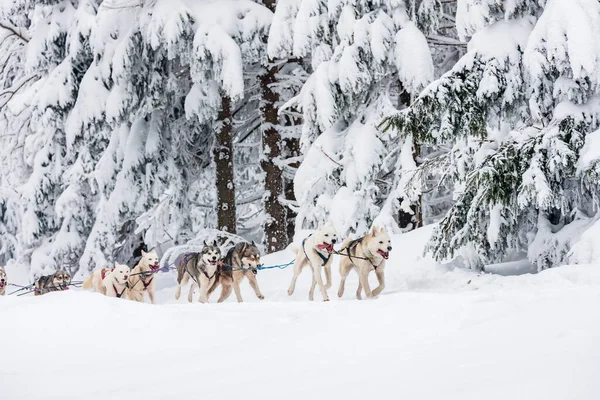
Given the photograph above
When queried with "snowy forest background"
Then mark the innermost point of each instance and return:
(131, 120)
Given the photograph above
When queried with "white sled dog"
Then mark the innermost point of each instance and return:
(202, 268)
(315, 252)
(365, 254)
(3, 281)
(116, 282)
(141, 279)
(110, 282)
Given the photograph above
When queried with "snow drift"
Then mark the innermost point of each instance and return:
(434, 333)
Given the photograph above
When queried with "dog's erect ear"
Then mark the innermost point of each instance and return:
(253, 243)
(373, 231)
(215, 243)
(382, 230)
(143, 253)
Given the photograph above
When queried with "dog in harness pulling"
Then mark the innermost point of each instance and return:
(116, 282)
(366, 254)
(58, 281)
(141, 280)
(241, 261)
(315, 252)
(201, 268)
(110, 282)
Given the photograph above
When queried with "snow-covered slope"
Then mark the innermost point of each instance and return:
(434, 333)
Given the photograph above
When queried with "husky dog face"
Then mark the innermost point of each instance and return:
(211, 253)
(379, 243)
(121, 273)
(326, 237)
(3, 278)
(151, 259)
(250, 256)
(61, 280)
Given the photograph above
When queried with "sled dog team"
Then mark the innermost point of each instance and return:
(209, 269)
(60, 280)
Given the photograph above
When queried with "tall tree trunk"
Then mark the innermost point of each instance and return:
(223, 158)
(291, 149)
(412, 220)
(276, 221)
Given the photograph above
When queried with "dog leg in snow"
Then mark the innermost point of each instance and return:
(319, 279)
(327, 268)
(358, 291)
(191, 293)
(151, 294)
(344, 271)
(203, 293)
(364, 281)
(311, 293)
(183, 282)
(254, 284)
(225, 292)
(236, 289)
(381, 279)
(297, 270)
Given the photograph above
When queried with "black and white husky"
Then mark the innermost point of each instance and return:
(201, 268)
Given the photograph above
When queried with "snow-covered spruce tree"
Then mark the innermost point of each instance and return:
(174, 77)
(56, 57)
(14, 126)
(363, 55)
(517, 110)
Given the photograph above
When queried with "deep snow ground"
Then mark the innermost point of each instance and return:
(434, 333)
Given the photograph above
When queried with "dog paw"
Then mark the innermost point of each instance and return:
(261, 297)
(326, 299)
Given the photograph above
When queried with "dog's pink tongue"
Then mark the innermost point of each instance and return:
(327, 246)
(384, 254)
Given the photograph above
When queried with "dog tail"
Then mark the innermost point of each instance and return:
(294, 248)
(345, 244)
(88, 283)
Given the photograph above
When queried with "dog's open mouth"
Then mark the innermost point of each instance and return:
(383, 254)
(155, 267)
(212, 262)
(327, 246)
(65, 287)
(2, 285)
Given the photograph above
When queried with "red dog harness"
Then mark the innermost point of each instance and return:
(104, 273)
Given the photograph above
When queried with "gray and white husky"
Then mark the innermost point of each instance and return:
(202, 268)
(242, 260)
(58, 281)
